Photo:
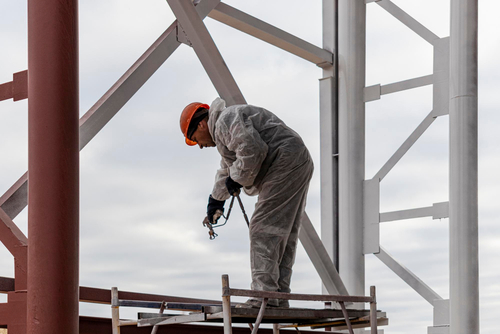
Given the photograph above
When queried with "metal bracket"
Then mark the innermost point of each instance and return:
(182, 36)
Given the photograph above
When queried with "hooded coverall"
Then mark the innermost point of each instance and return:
(269, 159)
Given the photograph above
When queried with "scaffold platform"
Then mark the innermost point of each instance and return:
(335, 319)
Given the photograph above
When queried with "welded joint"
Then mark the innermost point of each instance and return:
(182, 36)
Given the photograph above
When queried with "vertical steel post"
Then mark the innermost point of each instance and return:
(464, 286)
(53, 167)
(329, 136)
(351, 84)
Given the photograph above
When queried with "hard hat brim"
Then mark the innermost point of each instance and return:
(190, 142)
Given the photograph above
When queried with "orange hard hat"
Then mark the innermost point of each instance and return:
(187, 115)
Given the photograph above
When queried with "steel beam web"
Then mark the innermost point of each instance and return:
(408, 21)
(406, 275)
(428, 120)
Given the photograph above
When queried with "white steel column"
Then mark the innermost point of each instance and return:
(351, 64)
(329, 137)
(464, 286)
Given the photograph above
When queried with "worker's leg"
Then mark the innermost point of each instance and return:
(288, 258)
(281, 200)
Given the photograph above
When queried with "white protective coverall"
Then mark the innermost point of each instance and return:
(269, 159)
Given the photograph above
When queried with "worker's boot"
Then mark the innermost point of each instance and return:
(256, 303)
(283, 303)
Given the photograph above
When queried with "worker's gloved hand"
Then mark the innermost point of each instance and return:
(212, 207)
(233, 186)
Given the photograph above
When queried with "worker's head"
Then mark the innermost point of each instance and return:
(194, 125)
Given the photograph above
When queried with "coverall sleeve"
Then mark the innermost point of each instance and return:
(244, 140)
(219, 192)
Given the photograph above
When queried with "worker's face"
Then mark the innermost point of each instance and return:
(202, 136)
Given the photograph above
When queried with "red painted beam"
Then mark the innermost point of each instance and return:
(17, 244)
(10, 235)
(95, 295)
(53, 165)
(91, 325)
(16, 89)
(103, 296)
(6, 91)
(13, 313)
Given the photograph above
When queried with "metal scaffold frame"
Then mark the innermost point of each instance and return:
(350, 212)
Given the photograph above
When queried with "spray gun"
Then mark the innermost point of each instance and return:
(219, 213)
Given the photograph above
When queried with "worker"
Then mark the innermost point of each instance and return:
(265, 157)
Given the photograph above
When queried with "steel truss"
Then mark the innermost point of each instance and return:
(350, 203)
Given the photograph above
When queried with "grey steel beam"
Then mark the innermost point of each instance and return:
(329, 165)
(401, 151)
(408, 21)
(207, 51)
(406, 84)
(441, 69)
(371, 216)
(374, 92)
(320, 258)
(436, 211)
(351, 76)
(15, 199)
(270, 34)
(464, 272)
(410, 278)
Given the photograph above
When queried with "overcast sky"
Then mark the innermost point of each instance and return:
(144, 192)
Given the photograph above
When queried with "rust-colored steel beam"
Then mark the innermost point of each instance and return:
(10, 235)
(13, 313)
(103, 296)
(17, 244)
(91, 325)
(16, 89)
(53, 167)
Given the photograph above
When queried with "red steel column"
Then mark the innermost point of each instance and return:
(53, 170)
